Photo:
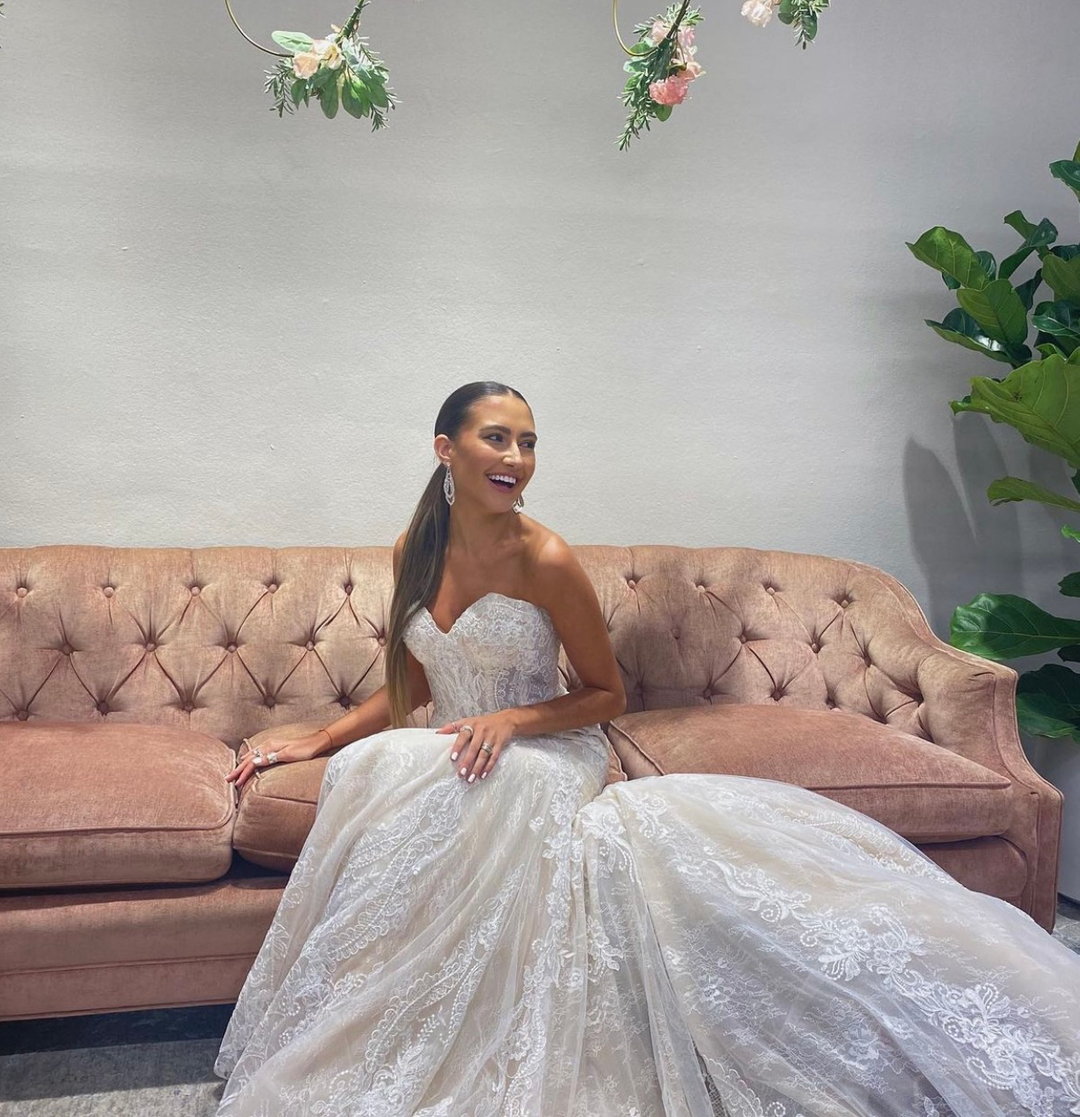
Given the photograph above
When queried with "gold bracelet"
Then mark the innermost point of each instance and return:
(328, 737)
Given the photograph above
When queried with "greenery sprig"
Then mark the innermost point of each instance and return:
(339, 71)
(661, 68)
(802, 15)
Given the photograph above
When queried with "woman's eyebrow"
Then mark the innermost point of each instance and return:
(505, 430)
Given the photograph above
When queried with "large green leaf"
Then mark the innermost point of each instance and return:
(1061, 320)
(950, 254)
(1068, 171)
(1006, 489)
(292, 41)
(1040, 236)
(1016, 220)
(1070, 587)
(998, 309)
(1063, 276)
(961, 328)
(1048, 701)
(1003, 627)
(1026, 291)
(1041, 399)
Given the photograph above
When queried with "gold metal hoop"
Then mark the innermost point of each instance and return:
(615, 20)
(275, 53)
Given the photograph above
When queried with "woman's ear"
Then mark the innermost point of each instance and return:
(442, 449)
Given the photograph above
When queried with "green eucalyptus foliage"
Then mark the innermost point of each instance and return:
(357, 85)
(650, 63)
(1039, 398)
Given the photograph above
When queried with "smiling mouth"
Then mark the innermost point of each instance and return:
(504, 485)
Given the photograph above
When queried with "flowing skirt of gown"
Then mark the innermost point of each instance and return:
(676, 946)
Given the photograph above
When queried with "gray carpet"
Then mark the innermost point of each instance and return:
(154, 1064)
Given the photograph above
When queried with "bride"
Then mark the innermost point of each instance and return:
(477, 927)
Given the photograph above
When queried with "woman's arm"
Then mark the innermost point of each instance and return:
(564, 590)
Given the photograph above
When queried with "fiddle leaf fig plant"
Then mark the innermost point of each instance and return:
(1034, 327)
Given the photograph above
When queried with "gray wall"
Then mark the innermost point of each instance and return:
(220, 327)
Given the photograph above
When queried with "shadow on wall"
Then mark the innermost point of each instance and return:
(965, 545)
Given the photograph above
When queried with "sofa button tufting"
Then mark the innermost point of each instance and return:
(22, 715)
(66, 649)
(343, 700)
(150, 645)
(348, 587)
(381, 641)
(631, 583)
(770, 589)
(270, 701)
(815, 647)
(103, 707)
(272, 587)
(108, 591)
(707, 692)
(675, 634)
(22, 591)
(310, 645)
(830, 703)
(230, 647)
(196, 590)
(188, 707)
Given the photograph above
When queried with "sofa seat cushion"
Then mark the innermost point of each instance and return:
(277, 805)
(87, 804)
(922, 791)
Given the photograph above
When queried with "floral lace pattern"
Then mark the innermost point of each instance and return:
(676, 946)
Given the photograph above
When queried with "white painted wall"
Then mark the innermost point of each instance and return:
(220, 327)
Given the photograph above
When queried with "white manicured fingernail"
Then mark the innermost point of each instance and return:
(463, 771)
(472, 777)
(483, 775)
(453, 756)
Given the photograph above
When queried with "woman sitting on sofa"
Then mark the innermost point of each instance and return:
(476, 925)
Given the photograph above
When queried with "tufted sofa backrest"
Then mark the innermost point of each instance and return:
(231, 640)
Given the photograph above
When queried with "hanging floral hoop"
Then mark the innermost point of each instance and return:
(338, 71)
(343, 71)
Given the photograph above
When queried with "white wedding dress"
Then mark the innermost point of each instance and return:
(683, 945)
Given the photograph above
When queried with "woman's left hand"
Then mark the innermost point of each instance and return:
(487, 729)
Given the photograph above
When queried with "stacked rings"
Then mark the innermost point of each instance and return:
(487, 748)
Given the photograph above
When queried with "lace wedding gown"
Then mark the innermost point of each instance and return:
(682, 945)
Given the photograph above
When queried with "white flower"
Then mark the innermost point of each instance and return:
(328, 53)
(759, 12)
(305, 63)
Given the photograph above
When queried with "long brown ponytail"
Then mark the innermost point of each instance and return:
(424, 552)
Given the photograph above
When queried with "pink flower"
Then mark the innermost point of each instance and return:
(685, 35)
(758, 12)
(693, 69)
(671, 91)
(658, 30)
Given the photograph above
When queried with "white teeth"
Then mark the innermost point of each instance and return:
(503, 477)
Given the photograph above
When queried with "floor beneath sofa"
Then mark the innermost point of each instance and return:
(158, 1062)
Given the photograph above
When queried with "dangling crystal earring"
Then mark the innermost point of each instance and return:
(519, 503)
(448, 485)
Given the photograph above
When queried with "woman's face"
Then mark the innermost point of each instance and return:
(496, 441)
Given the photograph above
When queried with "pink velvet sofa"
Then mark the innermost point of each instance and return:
(130, 879)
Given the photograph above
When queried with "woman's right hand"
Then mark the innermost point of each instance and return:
(287, 750)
